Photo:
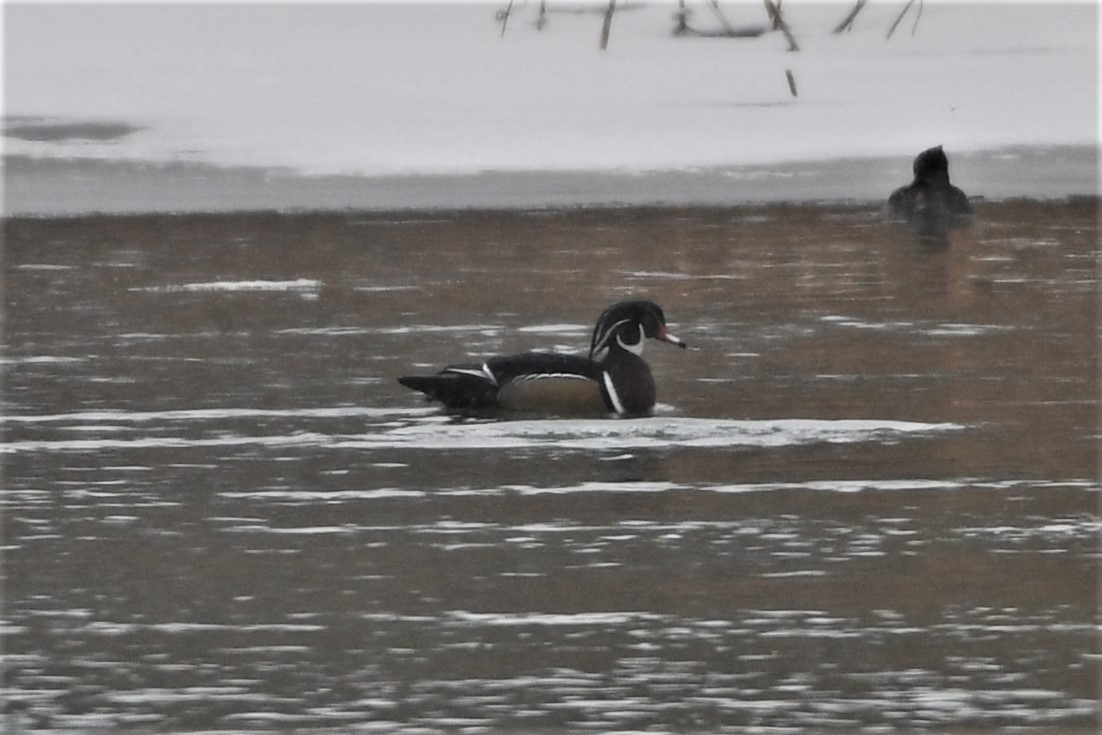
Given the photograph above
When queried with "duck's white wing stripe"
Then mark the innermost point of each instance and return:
(612, 394)
(489, 373)
(482, 373)
(543, 376)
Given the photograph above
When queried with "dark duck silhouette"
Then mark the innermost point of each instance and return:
(613, 378)
(930, 204)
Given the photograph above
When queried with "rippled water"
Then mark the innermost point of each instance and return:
(867, 501)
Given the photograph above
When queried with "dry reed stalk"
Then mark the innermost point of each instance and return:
(847, 24)
(774, 11)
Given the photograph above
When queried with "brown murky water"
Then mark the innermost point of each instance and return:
(867, 502)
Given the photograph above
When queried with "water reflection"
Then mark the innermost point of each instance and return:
(868, 502)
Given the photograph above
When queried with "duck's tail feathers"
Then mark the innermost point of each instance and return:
(454, 388)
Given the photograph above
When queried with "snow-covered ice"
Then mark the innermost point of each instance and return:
(412, 89)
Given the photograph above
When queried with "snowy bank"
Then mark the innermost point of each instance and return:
(414, 90)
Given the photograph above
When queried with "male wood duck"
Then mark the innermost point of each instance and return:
(613, 378)
(930, 203)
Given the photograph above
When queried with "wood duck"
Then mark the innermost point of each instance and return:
(930, 203)
(613, 378)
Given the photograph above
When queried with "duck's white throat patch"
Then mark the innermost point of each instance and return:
(635, 348)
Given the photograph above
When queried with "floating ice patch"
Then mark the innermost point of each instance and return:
(305, 286)
(40, 360)
(431, 432)
(929, 329)
(208, 414)
(646, 433)
(327, 331)
(43, 267)
(594, 487)
(555, 329)
(181, 628)
(586, 619)
(950, 329)
(484, 329)
(385, 289)
(829, 486)
(679, 276)
(326, 496)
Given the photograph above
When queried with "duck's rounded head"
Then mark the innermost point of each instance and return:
(931, 164)
(627, 325)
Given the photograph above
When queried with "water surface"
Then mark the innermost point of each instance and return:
(866, 502)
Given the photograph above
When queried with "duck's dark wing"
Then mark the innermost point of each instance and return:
(469, 386)
(550, 383)
(901, 203)
(538, 365)
(925, 205)
(532, 381)
(956, 201)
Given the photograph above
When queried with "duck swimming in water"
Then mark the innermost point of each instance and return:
(930, 203)
(613, 378)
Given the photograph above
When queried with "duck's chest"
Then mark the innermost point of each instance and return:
(628, 384)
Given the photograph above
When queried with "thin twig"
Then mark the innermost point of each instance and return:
(722, 18)
(774, 12)
(847, 24)
(504, 15)
(541, 21)
(918, 15)
(905, 9)
(607, 27)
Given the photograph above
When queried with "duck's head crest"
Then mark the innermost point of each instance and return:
(628, 324)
